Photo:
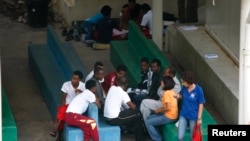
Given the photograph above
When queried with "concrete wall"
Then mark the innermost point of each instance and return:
(225, 26)
(218, 77)
(86, 8)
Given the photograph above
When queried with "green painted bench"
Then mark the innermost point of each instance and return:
(9, 129)
(170, 131)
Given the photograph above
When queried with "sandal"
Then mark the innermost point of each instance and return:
(53, 133)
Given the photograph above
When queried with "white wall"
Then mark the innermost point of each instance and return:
(223, 22)
(170, 6)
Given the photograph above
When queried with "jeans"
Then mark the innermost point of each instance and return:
(147, 105)
(182, 126)
(137, 99)
(87, 28)
(153, 121)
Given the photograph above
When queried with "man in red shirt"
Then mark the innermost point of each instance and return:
(111, 78)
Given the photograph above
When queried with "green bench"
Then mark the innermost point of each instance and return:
(9, 129)
(52, 64)
(170, 131)
(119, 54)
(129, 52)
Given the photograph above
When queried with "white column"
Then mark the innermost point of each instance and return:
(244, 67)
(157, 8)
(1, 121)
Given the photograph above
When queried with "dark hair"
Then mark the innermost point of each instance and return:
(145, 7)
(125, 6)
(78, 73)
(168, 83)
(188, 77)
(106, 10)
(145, 59)
(98, 63)
(121, 68)
(172, 70)
(90, 83)
(97, 69)
(132, 1)
(157, 61)
(122, 81)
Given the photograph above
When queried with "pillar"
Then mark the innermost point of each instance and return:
(157, 8)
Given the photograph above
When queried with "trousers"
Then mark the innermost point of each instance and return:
(86, 124)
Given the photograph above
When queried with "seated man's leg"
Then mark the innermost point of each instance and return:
(137, 99)
(131, 117)
(76, 30)
(126, 117)
(88, 29)
(147, 105)
(87, 125)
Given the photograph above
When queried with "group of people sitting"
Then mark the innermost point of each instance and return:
(102, 28)
(144, 108)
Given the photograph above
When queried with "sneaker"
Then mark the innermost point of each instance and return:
(53, 133)
(89, 45)
(64, 32)
(69, 38)
(77, 38)
(83, 37)
(90, 41)
(69, 35)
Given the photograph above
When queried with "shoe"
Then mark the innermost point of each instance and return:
(53, 133)
(90, 41)
(69, 38)
(89, 45)
(77, 38)
(64, 32)
(83, 37)
(69, 35)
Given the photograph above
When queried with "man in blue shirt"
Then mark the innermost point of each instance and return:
(104, 28)
(88, 25)
(86, 28)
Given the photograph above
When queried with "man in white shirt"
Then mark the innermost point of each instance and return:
(69, 90)
(147, 105)
(116, 98)
(146, 22)
(78, 106)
